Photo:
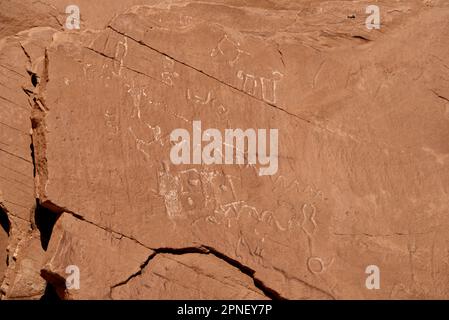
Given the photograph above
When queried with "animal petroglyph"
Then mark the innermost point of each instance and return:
(208, 99)
(228, 49)
(282, 185)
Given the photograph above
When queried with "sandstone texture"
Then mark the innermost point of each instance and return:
(88, 186)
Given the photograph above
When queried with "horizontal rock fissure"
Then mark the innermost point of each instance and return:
(268, 292)
(215, 78)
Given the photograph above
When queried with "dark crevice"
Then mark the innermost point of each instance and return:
(55, 208)
(282, 56)
(50, 293)
(181, 251)
(270, 293)
(56, 287)
(361, 38)
(33, 159)
(26, 53)
(4, 220)
(138, 273)
(34, 78)
(28, 92)
(439, 95)
(45, 220)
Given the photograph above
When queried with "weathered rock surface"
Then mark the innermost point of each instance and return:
(362, 179)
(20, 56)
(105, 259)
(189, 276)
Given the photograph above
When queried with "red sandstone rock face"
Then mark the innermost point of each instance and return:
(362, 176)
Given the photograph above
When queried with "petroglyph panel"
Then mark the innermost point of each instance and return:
(354, 121)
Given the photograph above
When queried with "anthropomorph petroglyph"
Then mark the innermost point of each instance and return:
(121, 50)
(168, 74)
(264, 88)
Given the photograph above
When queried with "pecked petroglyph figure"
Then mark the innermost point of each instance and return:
(267, 87)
